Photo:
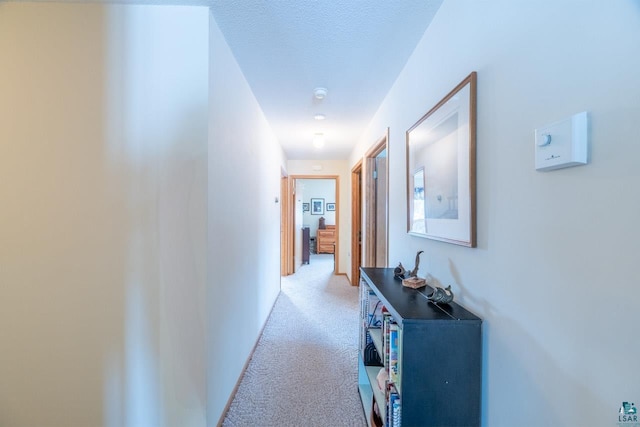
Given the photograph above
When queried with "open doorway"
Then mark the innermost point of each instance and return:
(313, 221)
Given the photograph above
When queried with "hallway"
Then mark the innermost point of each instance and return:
(303, 369)
(143, 148)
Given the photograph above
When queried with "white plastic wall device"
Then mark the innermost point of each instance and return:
(562, 144)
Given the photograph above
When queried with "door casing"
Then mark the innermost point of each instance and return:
(371, 202)
(289, 256)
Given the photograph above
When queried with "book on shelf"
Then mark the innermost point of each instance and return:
(374, 310)
(387, 320)
(394, 405)
(371, 307)
(396, 413)
(393, 353)
(364, 291)
(365, 338)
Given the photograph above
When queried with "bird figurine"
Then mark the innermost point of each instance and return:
(414, 272)
(441, 296)
(399, 271)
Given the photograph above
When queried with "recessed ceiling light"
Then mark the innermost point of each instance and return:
(318, 140)
(320, 92)
(319, 117)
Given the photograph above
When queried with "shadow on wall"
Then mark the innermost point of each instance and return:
(164, 281)
(156, 159)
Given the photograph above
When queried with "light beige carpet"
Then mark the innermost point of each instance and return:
(304, 371)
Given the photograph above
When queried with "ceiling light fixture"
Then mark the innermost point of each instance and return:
(320, 92)
(318, 140)
(319, 117)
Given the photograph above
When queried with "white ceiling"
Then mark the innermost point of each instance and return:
(355, 49)
(286, 48)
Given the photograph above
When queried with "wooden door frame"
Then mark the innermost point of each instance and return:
(369, 206)
(292, 179)
(286, 248)
(356, 222)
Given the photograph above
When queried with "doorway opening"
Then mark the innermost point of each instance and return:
(312, 221)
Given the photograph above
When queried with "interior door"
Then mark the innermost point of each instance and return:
(376, 204)
(381, 253)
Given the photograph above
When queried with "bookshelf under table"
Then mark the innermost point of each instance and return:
(439, 355)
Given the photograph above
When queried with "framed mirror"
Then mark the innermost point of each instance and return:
(441, 169)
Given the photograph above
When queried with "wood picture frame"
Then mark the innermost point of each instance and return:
(317, 206)
(441, 156)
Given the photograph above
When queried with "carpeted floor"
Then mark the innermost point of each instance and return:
(304, 371)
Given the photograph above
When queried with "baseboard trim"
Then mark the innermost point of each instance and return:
(244, 368)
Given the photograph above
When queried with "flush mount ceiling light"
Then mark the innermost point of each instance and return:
(320, 92)
(319, 117)
(318, 140)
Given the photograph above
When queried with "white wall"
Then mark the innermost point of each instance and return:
(554, 272)
(343, 205)
(245, 163)
(102, 182)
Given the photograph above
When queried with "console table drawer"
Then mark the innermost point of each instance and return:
(325, 248)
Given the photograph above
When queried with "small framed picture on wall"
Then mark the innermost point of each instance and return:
(317, 206)
(331, 207)
(305, 207)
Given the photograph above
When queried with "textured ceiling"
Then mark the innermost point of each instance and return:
(355, 49)
(286, 48)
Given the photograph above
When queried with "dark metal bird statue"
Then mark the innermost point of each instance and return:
(414, 272)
